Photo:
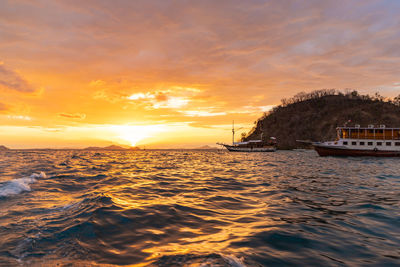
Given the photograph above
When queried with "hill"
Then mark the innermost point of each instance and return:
(3, 148)
(315, 116)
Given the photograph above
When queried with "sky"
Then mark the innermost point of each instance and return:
(175, 74)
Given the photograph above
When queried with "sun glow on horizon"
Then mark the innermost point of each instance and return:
(136, 133)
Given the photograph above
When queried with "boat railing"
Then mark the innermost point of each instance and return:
(372, 137)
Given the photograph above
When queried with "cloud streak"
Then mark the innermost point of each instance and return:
(78, 116)
(11, 80)
(3, 107)
(174, 98)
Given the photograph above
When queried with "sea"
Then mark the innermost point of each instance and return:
(197, 209)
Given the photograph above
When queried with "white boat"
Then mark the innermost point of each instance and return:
(362, 141)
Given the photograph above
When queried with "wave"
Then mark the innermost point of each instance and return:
(17, 186)
(210, 260)
(233, 261)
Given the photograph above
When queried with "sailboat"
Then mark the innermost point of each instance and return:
(250, 145)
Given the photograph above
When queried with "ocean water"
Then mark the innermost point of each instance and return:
(197, 208)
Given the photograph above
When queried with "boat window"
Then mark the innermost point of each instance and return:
(371, 144)
(388, 143)
(397, 143)
(345, 143)
(354, 143)
(362, 143)
(378, 143)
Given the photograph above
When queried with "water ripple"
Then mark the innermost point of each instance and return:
(194, 208)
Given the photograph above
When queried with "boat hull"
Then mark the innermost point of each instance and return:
(250, 149)
(324, 151)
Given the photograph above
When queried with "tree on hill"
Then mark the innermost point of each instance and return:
(315, 115)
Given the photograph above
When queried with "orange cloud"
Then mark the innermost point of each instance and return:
(73, 116)
(11, 80)
(174, 98)
(19, 117)
(3, 107)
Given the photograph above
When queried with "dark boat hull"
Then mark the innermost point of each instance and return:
(324, 151)
(250, 149)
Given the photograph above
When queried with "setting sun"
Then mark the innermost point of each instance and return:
(135, 134)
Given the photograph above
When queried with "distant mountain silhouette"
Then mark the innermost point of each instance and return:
(2, 148)
(315, 116)
(206, 147)
(111, 147)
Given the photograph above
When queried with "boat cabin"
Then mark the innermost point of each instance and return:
(370, 132)
(251, 143)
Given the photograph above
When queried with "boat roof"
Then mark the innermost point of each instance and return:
(245, 143)
(381, 127)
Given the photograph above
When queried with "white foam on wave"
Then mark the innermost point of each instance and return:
(234, 261)
(223, 260)
(19, 185)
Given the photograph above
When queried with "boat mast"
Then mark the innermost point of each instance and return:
(233, 132)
